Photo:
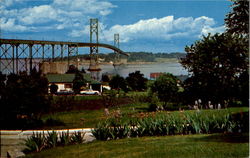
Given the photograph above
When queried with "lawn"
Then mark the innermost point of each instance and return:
(90, 118)
(212, 146)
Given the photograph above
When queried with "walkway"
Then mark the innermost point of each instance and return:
(13, 140)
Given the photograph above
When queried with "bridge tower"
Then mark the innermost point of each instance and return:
(116, 44)
(94, 67)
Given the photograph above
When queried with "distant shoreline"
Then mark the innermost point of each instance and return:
(159, 61)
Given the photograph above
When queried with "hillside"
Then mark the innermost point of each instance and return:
(140, 57)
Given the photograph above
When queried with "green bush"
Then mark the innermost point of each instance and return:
(52, 140)
(65, 138)
(36, 143)
(172, 124)
(77, 138)
(39, 141)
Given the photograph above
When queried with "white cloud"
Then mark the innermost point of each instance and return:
(211, 30)
(59, 14)
(10, 25)
(85, 6)
(38, 14)
(165, 28)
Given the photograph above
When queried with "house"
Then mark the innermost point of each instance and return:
(155, 75)
(65, 82)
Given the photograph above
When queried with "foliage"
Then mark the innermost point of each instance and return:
(136, 81)
(139, 97)
(65, 138)
(243, 83)
(118, 82)
(105, 78)
(154, 103)
(135, 56)
(24, 97)
(39, 141)
(215, 63)
(110, 98)
(77, 138)
(171, 124)
(52, 140)
(35, 143)
(53, 88)
(72, 69)
(237, 21)
(165, 87)
(78, 82)
(62, 103)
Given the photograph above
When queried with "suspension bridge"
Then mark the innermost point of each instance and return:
(18, 55)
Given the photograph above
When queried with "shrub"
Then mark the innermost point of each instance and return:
(52, 140)
(39, 141)
(77, 138)
(36, 143)
(65, 138)
(172, 124)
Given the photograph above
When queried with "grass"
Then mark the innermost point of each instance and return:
(88, 118)
(188, 146)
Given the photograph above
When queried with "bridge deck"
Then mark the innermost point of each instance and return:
(76, 44)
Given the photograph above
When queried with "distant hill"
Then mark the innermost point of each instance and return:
(151, 57)
(138, 56)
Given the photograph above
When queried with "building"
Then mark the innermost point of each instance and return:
(65, 82)
(155, 75)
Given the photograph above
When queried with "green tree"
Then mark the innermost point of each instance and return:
(78, 82)
(165, 87)
(72, 69)
(118, 82)
(215, 63)
(105, 78)
(237, 20)
(136, 81)
(24, 95)
(53, 88)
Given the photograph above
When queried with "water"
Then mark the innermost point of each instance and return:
(146, 69)
(123, 70)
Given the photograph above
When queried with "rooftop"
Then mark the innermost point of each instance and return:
(68, 78)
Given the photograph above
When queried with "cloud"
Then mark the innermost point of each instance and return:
(85, 6)
(59, 14)
(11, 26)
(38, 14)
(211, 30)
(165, 28)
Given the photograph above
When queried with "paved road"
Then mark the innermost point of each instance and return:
(13, 140)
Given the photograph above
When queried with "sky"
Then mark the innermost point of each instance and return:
(143, 25)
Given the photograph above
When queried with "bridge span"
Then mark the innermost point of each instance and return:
(16, 53)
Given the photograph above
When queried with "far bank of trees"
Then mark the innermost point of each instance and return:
(136, 56)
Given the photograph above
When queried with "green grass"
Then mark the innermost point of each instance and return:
(188, 146)
(89, 118)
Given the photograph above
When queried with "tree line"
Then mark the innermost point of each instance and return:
(133, 56)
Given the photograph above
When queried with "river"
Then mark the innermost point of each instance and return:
(146, 69)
